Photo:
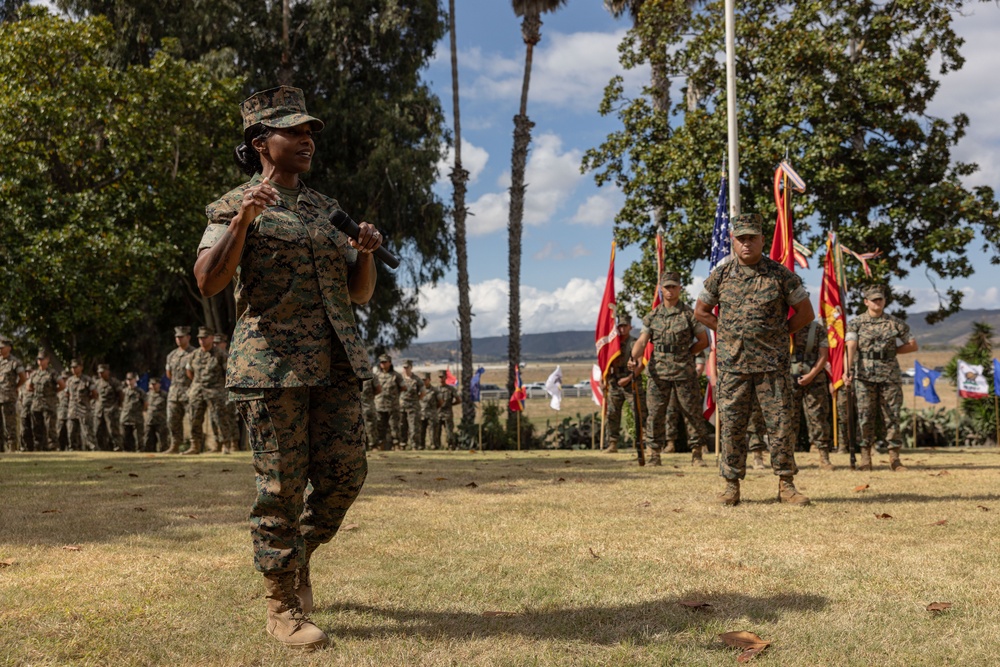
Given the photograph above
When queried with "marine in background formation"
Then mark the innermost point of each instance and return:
(206, 370)
(82, 392)
(370, 388)
(409, 404)
(430, 418)
(387, 403)
(156, 438)
(449, 397)
(44, 386)
(177, 399)
(12, 376)
(107, 410)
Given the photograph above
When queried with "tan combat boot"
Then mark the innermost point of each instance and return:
(195, 448)
(611, 448)
(758, 460)
(670, 448)
(696, 459)
(226, 447)
(894, 463)
(731, 496)
(824, 460)
(172, 449)
(866, 459)
(303, 586)
(286, 621)
(653, 457)
(788, 494)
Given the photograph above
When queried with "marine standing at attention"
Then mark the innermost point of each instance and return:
(297, 360)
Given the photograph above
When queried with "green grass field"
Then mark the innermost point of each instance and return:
(533, 558)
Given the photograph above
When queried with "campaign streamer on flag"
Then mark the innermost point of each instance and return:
(648, 352)
(449, 378)
(596, 388)
(606, 335)
(553, 387)
(474, 384)
(832, 311)
(722, 248)
(971, 381)
(783, 245)
(923, 383)
(516, 403)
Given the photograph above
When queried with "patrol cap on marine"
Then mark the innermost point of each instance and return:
(153, 379)
(427, 375)
(220, 338)
(103, 367)
(205, 332)
(384, 357)
(130, 375)
(42, 353)
(182, 331)
(442, 374)
(279, 107)
(624, 319)
(671, 278)
(748, 223)
(73, 363)
(408, 363)
(4, 341)
(876, 292)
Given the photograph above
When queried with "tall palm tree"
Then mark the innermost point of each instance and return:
(531, 32)
(459, 177)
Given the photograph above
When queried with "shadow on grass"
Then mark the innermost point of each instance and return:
(636, 623)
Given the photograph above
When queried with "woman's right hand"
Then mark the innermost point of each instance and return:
(256, 199)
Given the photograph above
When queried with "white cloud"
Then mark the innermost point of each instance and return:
(570, 307)
(551, 177)
(600, 209)
(927, 299)
(474, 159)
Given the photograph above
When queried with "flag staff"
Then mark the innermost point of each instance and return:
(914, 415)
(734, 150)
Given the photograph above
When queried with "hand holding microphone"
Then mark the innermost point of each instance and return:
(343, 222)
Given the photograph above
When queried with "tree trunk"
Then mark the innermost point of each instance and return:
(459, 177)
(285, 73)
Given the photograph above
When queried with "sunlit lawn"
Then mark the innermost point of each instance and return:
(145, 560)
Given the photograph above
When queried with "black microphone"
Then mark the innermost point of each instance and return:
(343, 222)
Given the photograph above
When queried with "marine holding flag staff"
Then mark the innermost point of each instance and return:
(873, 371)
(754, 295)
(297, 360)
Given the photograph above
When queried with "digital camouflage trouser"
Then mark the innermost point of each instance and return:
(446, 426)
(43, 428)
(204, 400)
(309, 456)
(411, 429)
(156, 438)
(873, 397)
(8, 415)
(176, 410)
(371, 427)
(78, 433)
(107, 429)
(388, 428)
(756, 430)
(738, 394)
(818, 408)
(660, 395)
(617, 396)
(430, 432)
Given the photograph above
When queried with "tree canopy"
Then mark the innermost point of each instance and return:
(840, 87)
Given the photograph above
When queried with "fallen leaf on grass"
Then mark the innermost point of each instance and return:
(743, 639)
(679, 474)
(883, 516)
(7, 563)
(350, 526)
(426, 494)
(750, 653)
(859, 489)
(645, 503)
(139, 509)
(938, 606)
(499, 614)
(568, 462)
(561, 479)
(472, 485)
(983, 508)
(440, 479)
(51, 511)
(191, 516)
(677, 509)
(942, 522)
(940, 474)
(399, 478)
(133, 495)
(179, 476)
(695, 604)
(132, 474)
(108, 468)
(226, 470)
(594, 554)
(72, 547)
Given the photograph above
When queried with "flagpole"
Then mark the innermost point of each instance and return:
(836, 429)
(914, 416)
(518, 430)
(593, 431)
(996, 416)
(734, 149)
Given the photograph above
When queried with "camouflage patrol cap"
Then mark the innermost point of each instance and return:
(4, 341)
(283, 106)
(220, 338)
(103, 367)
(671, 278)
(748, 223)
(153, 379)
(130, 375)
(876, 292)
(384, 357)
(427, 375)
(442, 374)
(205, 332)
(408, 363)
(182, 331)
(73, 363)
(42, 353)
(624, 319)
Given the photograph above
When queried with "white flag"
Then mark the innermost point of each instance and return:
(971, 381)
(553, 386)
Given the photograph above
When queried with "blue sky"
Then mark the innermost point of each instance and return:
(568, 219)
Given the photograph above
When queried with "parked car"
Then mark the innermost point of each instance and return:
(535, 390)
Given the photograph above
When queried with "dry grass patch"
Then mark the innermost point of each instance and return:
(535, 558)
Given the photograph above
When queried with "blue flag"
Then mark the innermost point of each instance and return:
(474, 384)
(923, 383)
(996, 377)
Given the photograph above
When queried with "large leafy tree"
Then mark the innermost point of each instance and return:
(359, 63)
(842, 88)
(105, 174)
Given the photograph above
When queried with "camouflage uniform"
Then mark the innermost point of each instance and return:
(107, 413)
(80, 391)
(674, 417)
(205, 393)
(133, 405)
(814, 398)
(44, 405)
(877, 386)
(155, 422)
(229, 420)
(295, 369)
(62, 414)
(177, 400)
(409, 403)
(672, 331)
(430, 418)
(11, 370)
(753, 358)
(368, 389)
(618, 395)
(448, 396)
(27, 443)
(387, 406)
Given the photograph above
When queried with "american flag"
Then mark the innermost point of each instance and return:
(721, 249)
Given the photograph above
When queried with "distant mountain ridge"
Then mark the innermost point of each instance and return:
(574, 345)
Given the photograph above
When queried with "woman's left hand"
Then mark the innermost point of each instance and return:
(369, 238)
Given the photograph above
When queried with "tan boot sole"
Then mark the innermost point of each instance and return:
(305, 646)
